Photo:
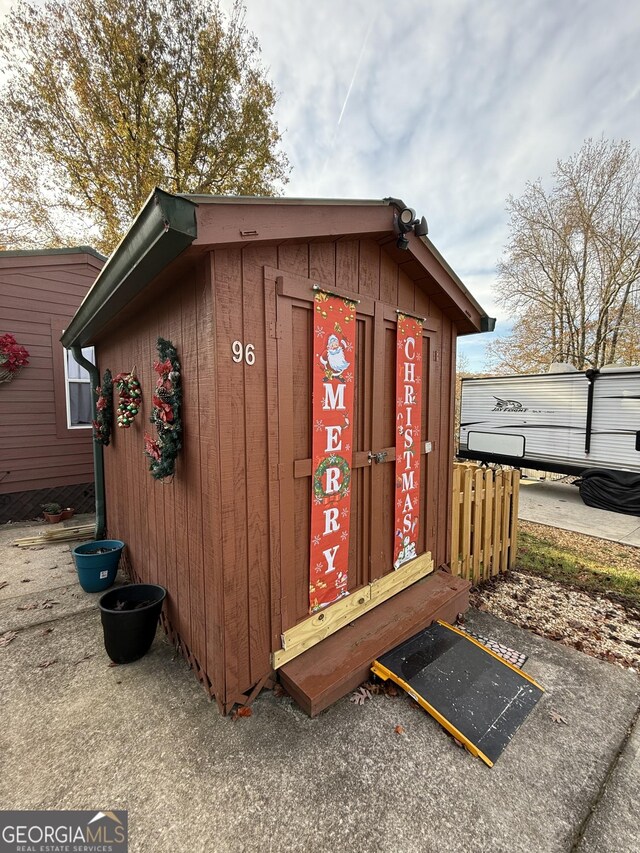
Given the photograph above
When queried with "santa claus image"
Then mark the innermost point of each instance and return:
(334, 362)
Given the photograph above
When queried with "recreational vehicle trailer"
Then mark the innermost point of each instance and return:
(560, 421)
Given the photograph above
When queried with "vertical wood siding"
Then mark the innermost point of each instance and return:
(213, 536)
(39, 294)
(169, 526)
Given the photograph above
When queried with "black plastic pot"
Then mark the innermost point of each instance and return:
(129, 620)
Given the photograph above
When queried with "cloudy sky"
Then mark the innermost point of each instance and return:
(450, 105)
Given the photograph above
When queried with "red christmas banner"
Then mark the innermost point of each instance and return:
(408, 418)
(333, 363)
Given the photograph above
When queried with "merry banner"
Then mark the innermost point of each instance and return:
(333, 362)
(408, 419)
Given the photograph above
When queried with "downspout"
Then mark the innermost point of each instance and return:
(98, 460)
(591, 376)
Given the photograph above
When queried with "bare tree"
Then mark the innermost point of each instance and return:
(571, 267)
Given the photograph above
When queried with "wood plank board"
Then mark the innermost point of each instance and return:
(318, 627)
(341, 662)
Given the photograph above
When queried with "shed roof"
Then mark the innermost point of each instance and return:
(170, 224)
(54, 253)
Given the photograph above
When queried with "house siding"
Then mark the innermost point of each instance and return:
(39, 295)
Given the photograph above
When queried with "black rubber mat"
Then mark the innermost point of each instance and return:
(476, 695)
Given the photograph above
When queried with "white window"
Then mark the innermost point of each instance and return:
(78, 385)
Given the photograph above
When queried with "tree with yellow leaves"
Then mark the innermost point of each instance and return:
(106, 99)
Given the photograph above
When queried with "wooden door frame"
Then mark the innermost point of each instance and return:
(283, 466)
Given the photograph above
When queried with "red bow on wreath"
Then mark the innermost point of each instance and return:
(164, 410)
(162, 367)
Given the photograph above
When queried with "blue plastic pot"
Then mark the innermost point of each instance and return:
(97, 571)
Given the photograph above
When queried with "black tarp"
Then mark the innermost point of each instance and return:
(616, 491)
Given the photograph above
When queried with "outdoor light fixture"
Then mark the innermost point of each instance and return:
(407, 221)
(421, 229)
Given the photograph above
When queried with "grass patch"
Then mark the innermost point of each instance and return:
(600, 567)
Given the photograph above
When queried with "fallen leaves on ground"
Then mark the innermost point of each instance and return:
(7, 637)
(555, 716)
(47, 604)
(279, 691)
(45, 631)
(399, 730)
(3, 584)
(590, 623)
(83, 658)
(360, 696)
(25, 580)
(243, 711)
(47, 663)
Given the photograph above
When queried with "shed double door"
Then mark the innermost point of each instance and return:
(371, 541)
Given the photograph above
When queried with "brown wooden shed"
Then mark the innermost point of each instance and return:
(45, 445)
(232, 283)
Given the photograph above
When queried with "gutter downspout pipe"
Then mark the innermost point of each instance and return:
(591, 375)
(98, 459)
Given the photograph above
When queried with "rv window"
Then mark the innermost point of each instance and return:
(498, 445)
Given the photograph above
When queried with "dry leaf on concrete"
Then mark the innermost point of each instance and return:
(555, 716)
(47, 663)
(3, 584)
(244, 711)
(360, 696)
(6, 638)
(399, 730)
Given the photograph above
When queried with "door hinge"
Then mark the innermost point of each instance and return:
(275, 330)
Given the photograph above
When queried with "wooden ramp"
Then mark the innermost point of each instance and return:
(337, 665)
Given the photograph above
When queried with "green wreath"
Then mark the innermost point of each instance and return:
(104, 411)
(331, 462)
(166, 415)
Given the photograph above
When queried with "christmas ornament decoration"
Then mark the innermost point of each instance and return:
(13, 357)
(167, 400)
(129, 398)
(333, 409)
(408, 421)
(104, 411)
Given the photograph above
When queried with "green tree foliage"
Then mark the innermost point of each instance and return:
(105, 99)
(571, 268)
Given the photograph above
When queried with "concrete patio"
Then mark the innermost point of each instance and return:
(144, 737)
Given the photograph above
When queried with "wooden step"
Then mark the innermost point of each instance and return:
(337, 665)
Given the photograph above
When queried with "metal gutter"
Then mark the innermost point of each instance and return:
(98, 459)
(163, 229)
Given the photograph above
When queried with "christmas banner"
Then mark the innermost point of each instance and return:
(408, 419)
(333, 372)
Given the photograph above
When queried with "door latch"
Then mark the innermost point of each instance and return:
(377, 457)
